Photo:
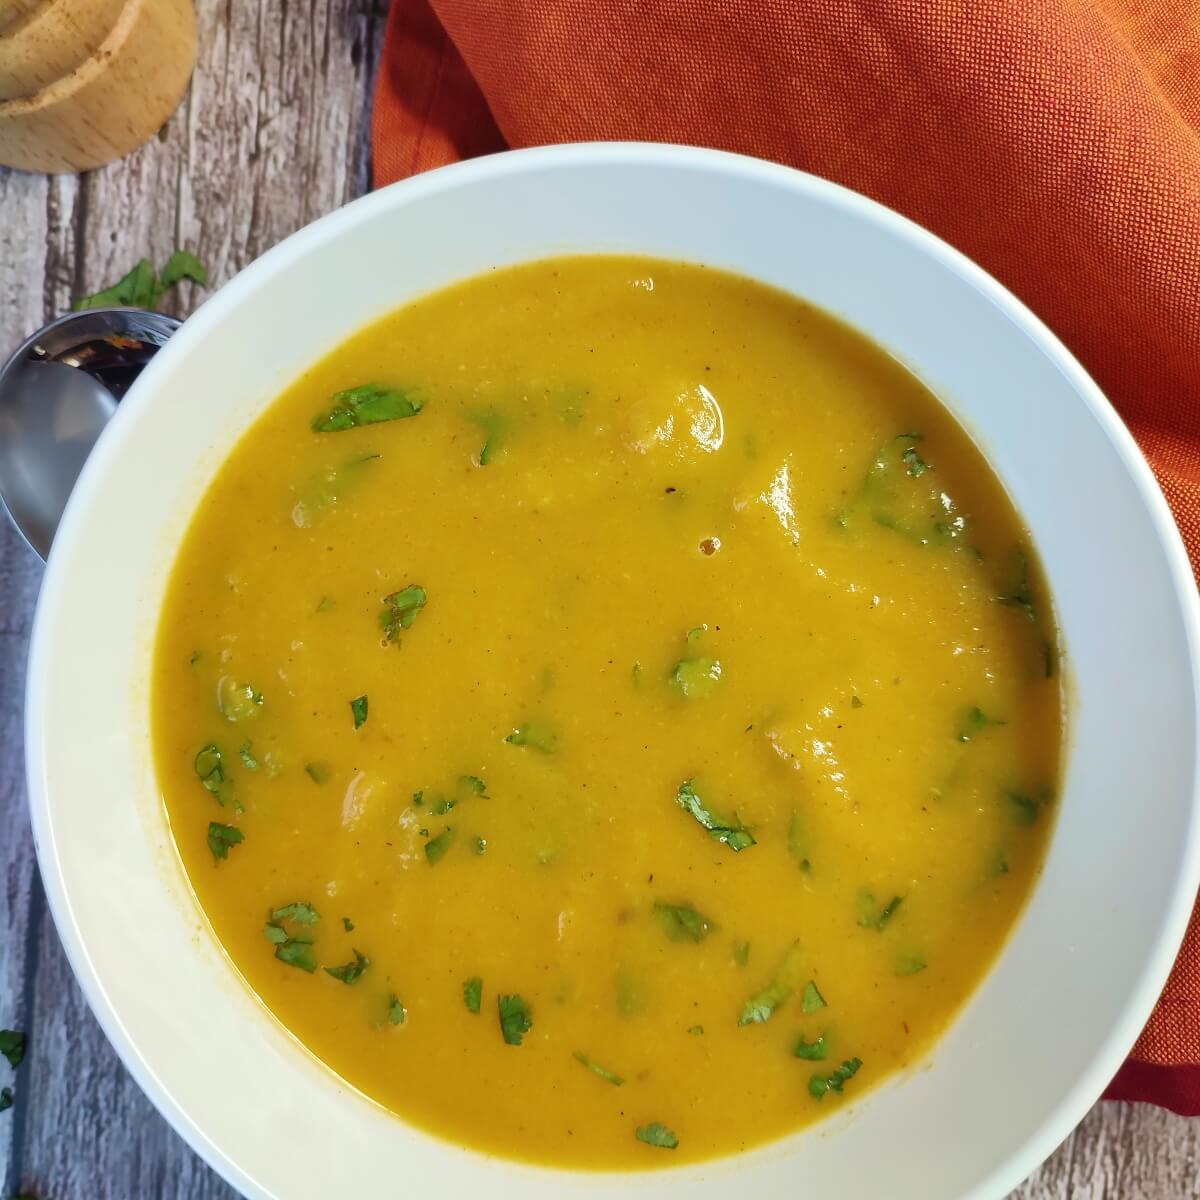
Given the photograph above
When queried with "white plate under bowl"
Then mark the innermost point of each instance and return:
(1064, 1003)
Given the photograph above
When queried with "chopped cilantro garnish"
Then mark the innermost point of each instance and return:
(6, 1099)
(238, 701)
(730, 831)
(347, 925)
(656, 1134)
(813, 1051)
(536, 735)
(682, 923)
(473, 993)
(221, 837)
(1020, 594)
(297, 954)
(300, 913)
(275, 934)
(12, 1045)
(472, 784)
(211, 771)
(696, 1030)
(1026, 805)
(494, 426)
(397, 1013)
(909, 963)
(868, 918)
(516, 1019)
(697, 677)
(246, 754)
(400, 610)
(325, 604)
(366, 405)
(597, 1069)
(143, 287)
(762, 1005)
(319, 772)
(350, 972)
(436, 847)
(915, 464)
(196, 657)
(975, 721)
(818, 1085)
(321, 491)
(855, 702)
(812, 1001)
(358, 707)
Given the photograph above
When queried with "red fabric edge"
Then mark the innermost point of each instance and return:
(1176, 1088)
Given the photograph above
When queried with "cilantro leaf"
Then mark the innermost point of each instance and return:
(473, 993)
(397, 1013)
(12, 1045)
(595, 1067)
(813, 1051)
(818, 1085)
(347, 925)
(302, 914)
(210, 770)
(473, 784)
(142, 288)
(358, 706)
(762, 1005)
(1026, 805)
(436, 847)
(868, 918)
(350, 972)
(275, 934)
(536, 735)
(975, 721)
(366, 405)
(696, 1030)
(697, 678)
(221, 837)
(516, 1019)
(318, 772)
(246, 754)
(297, 954)
(183, 264)
(730, 831)
(682, 923)
(909, 963)
(400, 610)
(812, 1001)
(1020, 593)
(656, 1134)
(238, 701)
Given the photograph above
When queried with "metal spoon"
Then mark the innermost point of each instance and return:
(57, 393)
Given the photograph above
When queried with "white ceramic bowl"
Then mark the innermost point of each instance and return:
(1063, 1005)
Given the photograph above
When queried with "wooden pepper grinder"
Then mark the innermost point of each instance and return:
(83, 82)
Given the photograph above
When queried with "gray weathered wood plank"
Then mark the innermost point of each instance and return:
(273, 134)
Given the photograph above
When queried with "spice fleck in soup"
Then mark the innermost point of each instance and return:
(609, 712)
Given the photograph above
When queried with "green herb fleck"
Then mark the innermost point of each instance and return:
(656, 1134)
(6, 1099)
(397, 1013)
(238, 701)
(436, 847)
(818, 1085)
(868, 918)
(246, 754)
(358, 706)
(321, 491)
(730, 831)
(855, 702)
(697, 678)
(637, 674)
(472, 784)
(516, 1020)
(762, 1005)
(797, 843)
(347, 925)
(536, 735)
(915, 464)
(211, 771)
(275, 934)
(143, 287)
(812, 1001)
(319, 772)
(682, 923)
(696, 1030)
(350, 972)
(400, 610)
(597, 1069)
(196, 657)
(12, 1045)
(1026, 805)
(741, 953)
(325, 604)
(1020, 594)
(975, 721)
(221, 837)
(297, 954)
(909, 964)
(813, 1051)
(300, 913)
(473, 993)
(366, 405)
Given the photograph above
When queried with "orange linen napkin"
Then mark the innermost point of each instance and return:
(1056, 142)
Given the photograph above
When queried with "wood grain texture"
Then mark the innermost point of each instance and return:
(273, 134)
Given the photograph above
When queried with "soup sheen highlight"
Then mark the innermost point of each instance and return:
(609, 712)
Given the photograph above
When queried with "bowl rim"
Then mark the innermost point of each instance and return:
(1086, 1089)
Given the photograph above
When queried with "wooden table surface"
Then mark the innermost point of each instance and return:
(273, 134)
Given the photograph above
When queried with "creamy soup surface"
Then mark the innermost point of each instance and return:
(609, 712)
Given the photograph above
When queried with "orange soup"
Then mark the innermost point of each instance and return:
(609, 712)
